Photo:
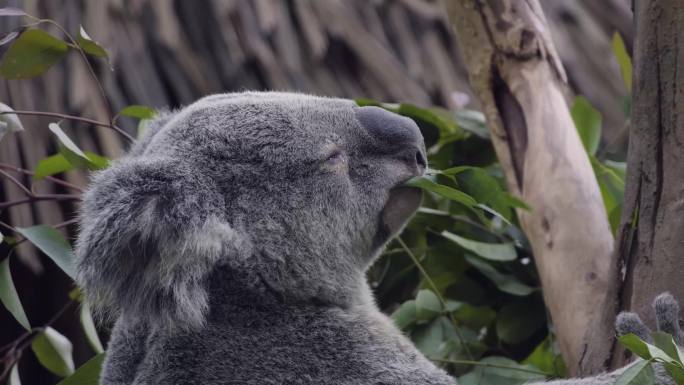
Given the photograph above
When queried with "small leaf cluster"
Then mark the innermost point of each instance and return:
(663, 351)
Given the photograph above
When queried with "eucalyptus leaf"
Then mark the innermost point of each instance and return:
(89, 328)
(428, 305)
(86, 374)
(405, 315)
(623, 59)
(640, 373)
(587, 122)
(88, 45)
(9, 296)
(68, 144)
(9, 122)
(506, 283)
(500, 371)
(138, 112)
(445, 191)
(428, 337)
(645, 350)
(53, 244)
(665, 342)
(9, 37)
(14, 376)
(31, 54)
(53, 351)
(490, 251)
(58, 163)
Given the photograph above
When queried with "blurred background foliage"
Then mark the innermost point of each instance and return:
(460, 280)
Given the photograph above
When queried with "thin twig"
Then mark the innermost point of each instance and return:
(71, 117)
(53, 179)
(437, 293)
(42, 197)
(16, 183)
(108, 107)
(15, 348)
(65, 223)
(491, 365)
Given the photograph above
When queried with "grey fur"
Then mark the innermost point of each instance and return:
(231, 247)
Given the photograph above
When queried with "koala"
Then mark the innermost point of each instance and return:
(230, 245)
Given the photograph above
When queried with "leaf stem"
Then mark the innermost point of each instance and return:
(50, 178)
(71, 117)
(97, 82)
(491, 365)
(437, 293)
(37, 198)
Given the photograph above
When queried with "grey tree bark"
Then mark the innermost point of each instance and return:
(518, 77)
(651, 235)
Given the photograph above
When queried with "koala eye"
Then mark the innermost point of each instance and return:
(337, 157)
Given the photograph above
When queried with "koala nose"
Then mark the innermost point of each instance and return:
(398, 133)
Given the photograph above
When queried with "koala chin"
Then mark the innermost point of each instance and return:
(230, 245)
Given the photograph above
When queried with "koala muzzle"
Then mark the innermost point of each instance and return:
(397, 134)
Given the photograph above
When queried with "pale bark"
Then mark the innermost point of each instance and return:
(520, 81)
(651, 235)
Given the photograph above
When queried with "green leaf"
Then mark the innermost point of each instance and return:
(429, 337)
(588, 123)
(611, 181)
(490, 251)
(31, 54)
(138, 111)
(641, 373)
(445, 191)
(506, 283)
(427, 305)
(475, 317)
(53, 350)
(70, 149)
(665, 342)
(86, 374)
(76, 294)
(52, 165)
(9, 296)
(9, 122)
(89, 328)
(405, 315)
(644, 350)
(88, 45)
(623, 59)
(547, 359)
(636, 345)
(52, 243)
(502, 372)
(14, 376)
(514, 201)
(473, 121)
(58, 163)
(676, 371)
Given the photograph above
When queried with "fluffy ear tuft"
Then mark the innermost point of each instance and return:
(151, 231)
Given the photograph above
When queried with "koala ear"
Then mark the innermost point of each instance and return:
(151, 231)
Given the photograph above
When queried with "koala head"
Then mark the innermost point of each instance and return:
(295, 193)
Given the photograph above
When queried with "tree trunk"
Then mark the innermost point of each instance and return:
(520, 81)
(651, 235)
